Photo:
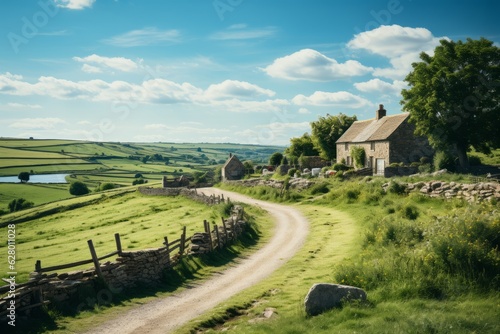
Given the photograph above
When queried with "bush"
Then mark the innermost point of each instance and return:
(138, 175)
(320, 188)
(292, 171)
(106, 186)
(24, 176)
(410, 212)
(78, 188)
(396, 188)
(444, 160)
(425, 168)
(19, 204)
(340, 167)
(139, 181)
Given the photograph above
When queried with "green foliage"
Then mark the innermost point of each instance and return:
(19, 204)
(359, 156)
(292, 171)
(138, 175)
(320, 188)
(340, 167)
(106, 186)
(276, 158)
(301, 146)
(453, 96)
(410, 212)
(200, 177)
(139, 181)
(444, 160)
(396, 188)
(24, 176)
(327, 130)
(78, 188)
(425, 168)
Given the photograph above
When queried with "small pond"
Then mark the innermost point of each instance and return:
(37, 178)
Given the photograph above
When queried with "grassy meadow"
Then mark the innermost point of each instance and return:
(95, 163)
(428, 265)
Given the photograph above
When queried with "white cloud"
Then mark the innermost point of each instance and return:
(241, 32)
(236, 89)
(84, 123)
(336, 99)
(74, 4)
(379, 86)
(401, 45)
(304, 111)
(142, 37)
(308, 64)
(23, 105)
(234, 96)
(90, 69)
(116, 63)
(36, 123)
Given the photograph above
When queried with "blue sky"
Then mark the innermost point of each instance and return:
(241, 71)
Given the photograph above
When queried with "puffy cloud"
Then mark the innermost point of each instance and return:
(231, 95)
(304, 111)
(236, 89)
(116, 63)
(142, 37)
(74, 4)
(401, 45)
(36, 123)
(332, 99)
(308, 64)
(379, 86)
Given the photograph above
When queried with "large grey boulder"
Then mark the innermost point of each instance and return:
(324, 296)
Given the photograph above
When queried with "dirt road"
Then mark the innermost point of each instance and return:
(166, 314)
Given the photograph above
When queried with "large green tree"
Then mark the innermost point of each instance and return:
(327, 130)
(24, 177)
(301, 146)
(453, 97)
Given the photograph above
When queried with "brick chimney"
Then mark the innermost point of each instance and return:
(381, 112)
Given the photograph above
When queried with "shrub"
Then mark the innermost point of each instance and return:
(138, 175)
(106, 186)
(139, 181)
(292, 171)
(396, 188)
(340, 167)
(78, 188)
(19, 204)
(24, 176)
(425, 168)
(410, 212)
(320, 188)
(444, 160)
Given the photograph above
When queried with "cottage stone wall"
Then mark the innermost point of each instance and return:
(406, 147)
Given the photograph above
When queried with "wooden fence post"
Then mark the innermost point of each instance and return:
(118, 244)
(225, 230)
(167, 248)
(38, 266)
(182, 245)
(217, 236)
(94, 259)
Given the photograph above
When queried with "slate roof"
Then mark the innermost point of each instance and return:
(232, 160)
(373, 129)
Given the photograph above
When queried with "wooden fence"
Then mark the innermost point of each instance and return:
(33, 293)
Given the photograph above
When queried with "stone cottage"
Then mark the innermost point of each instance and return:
(233, 169)
(385, 139)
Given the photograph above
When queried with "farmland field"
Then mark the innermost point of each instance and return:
(96, 163)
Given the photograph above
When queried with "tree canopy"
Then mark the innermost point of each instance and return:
(276, 158)
(327, 130)
(301, 146)
(24, 176)
(453, 97)
(78, 188)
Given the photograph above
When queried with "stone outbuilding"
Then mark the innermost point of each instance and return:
(385, 139)
(233, 169)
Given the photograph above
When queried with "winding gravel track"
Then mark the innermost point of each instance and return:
(166, 314)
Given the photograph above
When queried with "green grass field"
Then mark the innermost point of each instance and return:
(142, 221)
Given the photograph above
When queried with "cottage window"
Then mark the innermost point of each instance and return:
(348, 161)
(346, 147)
(372, 146)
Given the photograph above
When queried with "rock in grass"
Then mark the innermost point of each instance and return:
(324, 296)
